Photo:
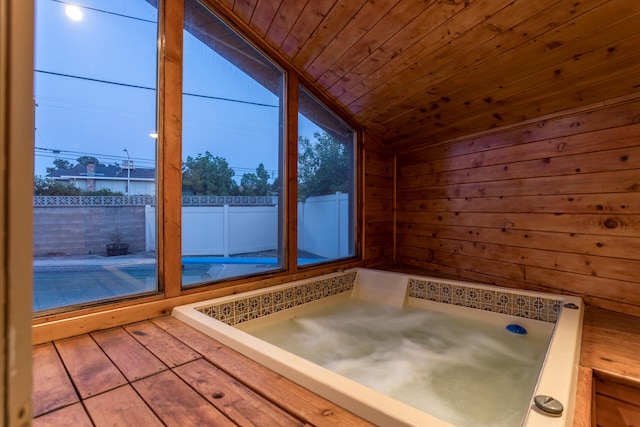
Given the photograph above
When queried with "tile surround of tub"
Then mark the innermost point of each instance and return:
(269, 302)
(498, 301)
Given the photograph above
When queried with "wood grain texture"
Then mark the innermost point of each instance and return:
(610, 343)
(169, 181)
(89, 368)
(613, 413)
(378, 200)
(551, 205)
(164, 346)
(120, 407)
(176, 404)
(250, 394)
(583, 413)
(131, 357)
(296, 400)
(611, 349)
(197, 392)
(52, 388)
(233, 398)
(73, 415)
(418, 73)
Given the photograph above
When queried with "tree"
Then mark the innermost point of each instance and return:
(85, 160)
(255, 184)
(50, 187)
(324, 166)
(208, 176)
(59, 164)
(62, 164)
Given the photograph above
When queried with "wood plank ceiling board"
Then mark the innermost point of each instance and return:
(417, 73)
(468, 49)
(361, 24)
(515, 73)
(263, 15)
(435, 26)
(285, 17)
(244, 9)
(534, 86)
(339, 16)
(305, 25)
(384, 29)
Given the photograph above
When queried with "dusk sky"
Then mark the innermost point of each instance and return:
(95, 92)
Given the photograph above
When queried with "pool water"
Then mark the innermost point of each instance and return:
(55, 287)
(462, 369)
(60, 286)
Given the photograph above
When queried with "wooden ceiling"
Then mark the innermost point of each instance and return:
(418, 72)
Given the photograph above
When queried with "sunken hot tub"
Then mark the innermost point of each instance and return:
(400, 349)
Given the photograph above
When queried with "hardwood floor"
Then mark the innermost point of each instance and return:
(163, 372)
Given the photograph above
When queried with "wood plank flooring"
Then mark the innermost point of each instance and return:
(163, 372)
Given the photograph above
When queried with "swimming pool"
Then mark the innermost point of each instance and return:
(61, 283)
(554, 367)
(60, 286)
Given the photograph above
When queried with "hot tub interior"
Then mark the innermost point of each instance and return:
(413, 350)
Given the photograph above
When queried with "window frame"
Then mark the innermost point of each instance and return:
(101, 228)
(355, 160)
(281, 238)
(169, 190)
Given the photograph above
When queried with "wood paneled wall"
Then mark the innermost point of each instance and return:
(378, 169)
(552, 205)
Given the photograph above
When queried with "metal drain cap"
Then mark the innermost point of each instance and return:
(548, 404)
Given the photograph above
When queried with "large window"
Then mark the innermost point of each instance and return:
(95, 156)
(232, 143)
(326, 183)
(104, 230)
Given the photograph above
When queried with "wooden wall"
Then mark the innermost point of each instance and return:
(551, 205)
(378, 170)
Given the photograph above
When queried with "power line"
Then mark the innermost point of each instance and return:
(69, 155)
(52, 73)
(90, 79)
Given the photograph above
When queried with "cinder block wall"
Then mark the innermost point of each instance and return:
(84, 230)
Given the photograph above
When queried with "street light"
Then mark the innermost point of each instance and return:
(73, 12)
(128, 169)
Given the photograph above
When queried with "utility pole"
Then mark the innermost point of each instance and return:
(128, 170)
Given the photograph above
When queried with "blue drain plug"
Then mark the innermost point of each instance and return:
(516, 329)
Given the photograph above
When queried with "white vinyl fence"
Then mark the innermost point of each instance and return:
(222, 230)
(323, 228)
